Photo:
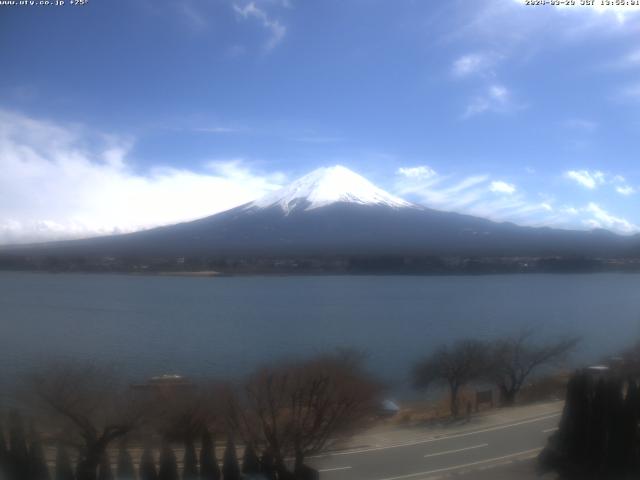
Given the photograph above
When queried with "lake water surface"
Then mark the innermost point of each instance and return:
(225, 326)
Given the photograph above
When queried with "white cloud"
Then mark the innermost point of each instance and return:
(474, 195)
(467, 64)
(625, 190)
(593, 179)
(498, 200)
(621, 13)
(603, 219)
(499, 93)
(276, 30)
(63, 182)
(472, 64)
(422, 171)
(431, 191)
(502, 187)
(570, 210)
(510, 25)
(586, 178)
(497, 99)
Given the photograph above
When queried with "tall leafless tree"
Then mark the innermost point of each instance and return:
(513, 359)
(453, 366)
(184, 414)
(90, 404)
(300, 408)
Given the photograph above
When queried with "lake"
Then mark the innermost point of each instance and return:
(225, 326)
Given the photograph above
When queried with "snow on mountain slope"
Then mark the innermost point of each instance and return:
(328, 185)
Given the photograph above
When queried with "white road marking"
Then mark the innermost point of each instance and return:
(464, 465)
(550, 430)
(456, 451)
(431, 440)
(324, 470)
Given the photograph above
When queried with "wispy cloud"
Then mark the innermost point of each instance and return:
(499, 186)
(435, 191)
(600, 218)
(496, 98)
(620, 11)
(510, 24)
(472, 64)
(421, 171)
(473, 194)
(479, 195)
(276, 30)
(96, 191)
(592, 179)
(625, 190)
(499, 200)
(586, 178)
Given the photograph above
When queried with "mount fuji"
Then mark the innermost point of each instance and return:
(325, 186)
(332, 212)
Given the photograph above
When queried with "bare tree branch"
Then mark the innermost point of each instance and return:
(514, 359)
(88, 402)
(454, 366)
(301, 408)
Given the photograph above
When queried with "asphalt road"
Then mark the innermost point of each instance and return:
(421, 459)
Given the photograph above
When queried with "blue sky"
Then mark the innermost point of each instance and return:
(119, 115)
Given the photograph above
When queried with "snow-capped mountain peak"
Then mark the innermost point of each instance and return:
(325, 186)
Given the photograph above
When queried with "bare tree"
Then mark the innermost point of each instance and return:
(90, 404)
(514, 359)
(184, 414)
(454, 366)
(300, 408)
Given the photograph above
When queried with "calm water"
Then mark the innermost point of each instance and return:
(225, 326)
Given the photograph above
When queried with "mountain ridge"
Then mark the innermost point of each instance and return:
(333, 211)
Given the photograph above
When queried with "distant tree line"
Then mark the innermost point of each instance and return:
(335, 263)
(507, 363)
(279, 416)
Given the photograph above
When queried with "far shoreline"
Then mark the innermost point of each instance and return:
(202, 273)
(218, 274)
